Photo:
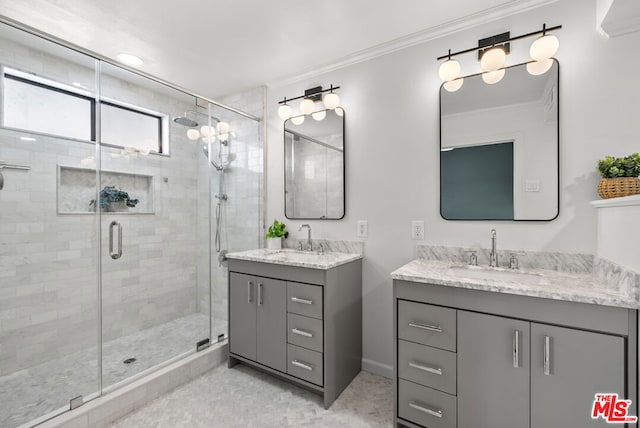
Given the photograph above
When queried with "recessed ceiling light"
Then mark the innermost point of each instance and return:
(27, 139)
(129, 59)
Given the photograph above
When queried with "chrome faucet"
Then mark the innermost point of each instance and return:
(309, 243)
(493, 256)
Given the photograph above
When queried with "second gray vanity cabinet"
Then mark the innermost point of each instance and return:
(258, 319)
(493, 371)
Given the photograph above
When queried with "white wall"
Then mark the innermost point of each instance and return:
(392, 149)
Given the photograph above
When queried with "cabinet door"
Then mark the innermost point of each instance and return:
(272, 323)
(242, 315)
(493, 372)
(578, 365)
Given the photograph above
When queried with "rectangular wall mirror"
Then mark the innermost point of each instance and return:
(314, 167)
(499, 147)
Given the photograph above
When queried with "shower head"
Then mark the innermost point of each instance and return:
(185, 121)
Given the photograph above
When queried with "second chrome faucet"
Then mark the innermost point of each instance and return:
(493, 256)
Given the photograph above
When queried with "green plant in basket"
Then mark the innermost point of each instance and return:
(628, 166)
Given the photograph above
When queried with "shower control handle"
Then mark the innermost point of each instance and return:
(115, 255)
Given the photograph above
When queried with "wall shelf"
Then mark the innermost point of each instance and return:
(76, 189)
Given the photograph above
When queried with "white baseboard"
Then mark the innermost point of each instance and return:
(377, 368)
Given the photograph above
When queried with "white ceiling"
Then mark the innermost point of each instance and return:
(220, 47)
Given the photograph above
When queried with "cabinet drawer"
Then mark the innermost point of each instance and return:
(304, 299)
(430, 325)
(305, 332)
(426, 406)
(427, 366)
(305, 364)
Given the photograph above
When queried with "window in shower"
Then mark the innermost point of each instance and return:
(40, 105)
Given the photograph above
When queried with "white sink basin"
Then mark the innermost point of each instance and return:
(497, 274)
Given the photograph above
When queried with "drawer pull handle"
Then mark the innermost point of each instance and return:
(423, 409)
(435, 328)
(299, 300)
(302, 365)
(516, 349)
(419, 366)
(301, 332)
(547, 356)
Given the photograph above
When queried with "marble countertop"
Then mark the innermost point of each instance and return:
(548, 284)
(290, 257)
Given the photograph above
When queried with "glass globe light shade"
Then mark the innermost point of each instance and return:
(298, 120)
(193, 134)
(222, 127)
(207, 130)
(285, 111)
(493, 77)
(319, 115)
(537, 68)
(544, 47)
(493, 59)
(331, 101)
(453, 85)
(339, 111)
(307, 106)
(449, 70)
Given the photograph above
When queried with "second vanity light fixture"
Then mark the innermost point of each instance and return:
(311, 97)
(493, 52)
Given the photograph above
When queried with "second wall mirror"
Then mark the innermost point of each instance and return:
(314, 166)
(499, 148)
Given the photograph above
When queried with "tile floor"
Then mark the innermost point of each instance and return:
(244, 397)
(30, 393)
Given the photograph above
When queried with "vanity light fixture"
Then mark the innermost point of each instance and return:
(492, 53)
(311, 97)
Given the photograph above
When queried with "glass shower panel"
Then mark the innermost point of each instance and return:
(236, 203)
(151, 202)
(49, 332)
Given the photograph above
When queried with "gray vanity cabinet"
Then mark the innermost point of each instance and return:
(258, 319)
(301, 324)
(522, 362)
(493, 371)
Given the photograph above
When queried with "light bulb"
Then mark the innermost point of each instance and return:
(193, 134)
(207, 130)
(307, 106)
(285, 111)
(493, 59)
(297, 120)
(493, 77)
(331, 101)
(536, 68)
(222, 127)
(339, 111)
(319, 115)
(453, 85)
(544, 47)
(449, 70)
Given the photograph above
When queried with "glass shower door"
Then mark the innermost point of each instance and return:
(152, 282)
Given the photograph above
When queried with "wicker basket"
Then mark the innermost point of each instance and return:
(618, 187)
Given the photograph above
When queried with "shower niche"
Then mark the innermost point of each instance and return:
(76, 192)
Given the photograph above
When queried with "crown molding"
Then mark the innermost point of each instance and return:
(511, 8)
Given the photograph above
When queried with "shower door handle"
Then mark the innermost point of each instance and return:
(114, 255)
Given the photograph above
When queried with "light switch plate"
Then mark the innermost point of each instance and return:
(532, 186)
(362, 229)
(417, 229)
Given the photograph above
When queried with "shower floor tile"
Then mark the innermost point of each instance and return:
(30, 393)
(244, 397)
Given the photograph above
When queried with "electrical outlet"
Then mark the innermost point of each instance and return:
(417, 229)
(362, 229)
(532, 186)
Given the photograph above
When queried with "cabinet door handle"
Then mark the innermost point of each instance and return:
(516, 348)
(435, 328)
(422, 408)
(434, 370)
(259, 294)
(249, 284)
(299, 300)
(547, 355)
(302, 365)
(301, 332)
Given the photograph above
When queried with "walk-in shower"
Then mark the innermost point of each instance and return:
(109, 234)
